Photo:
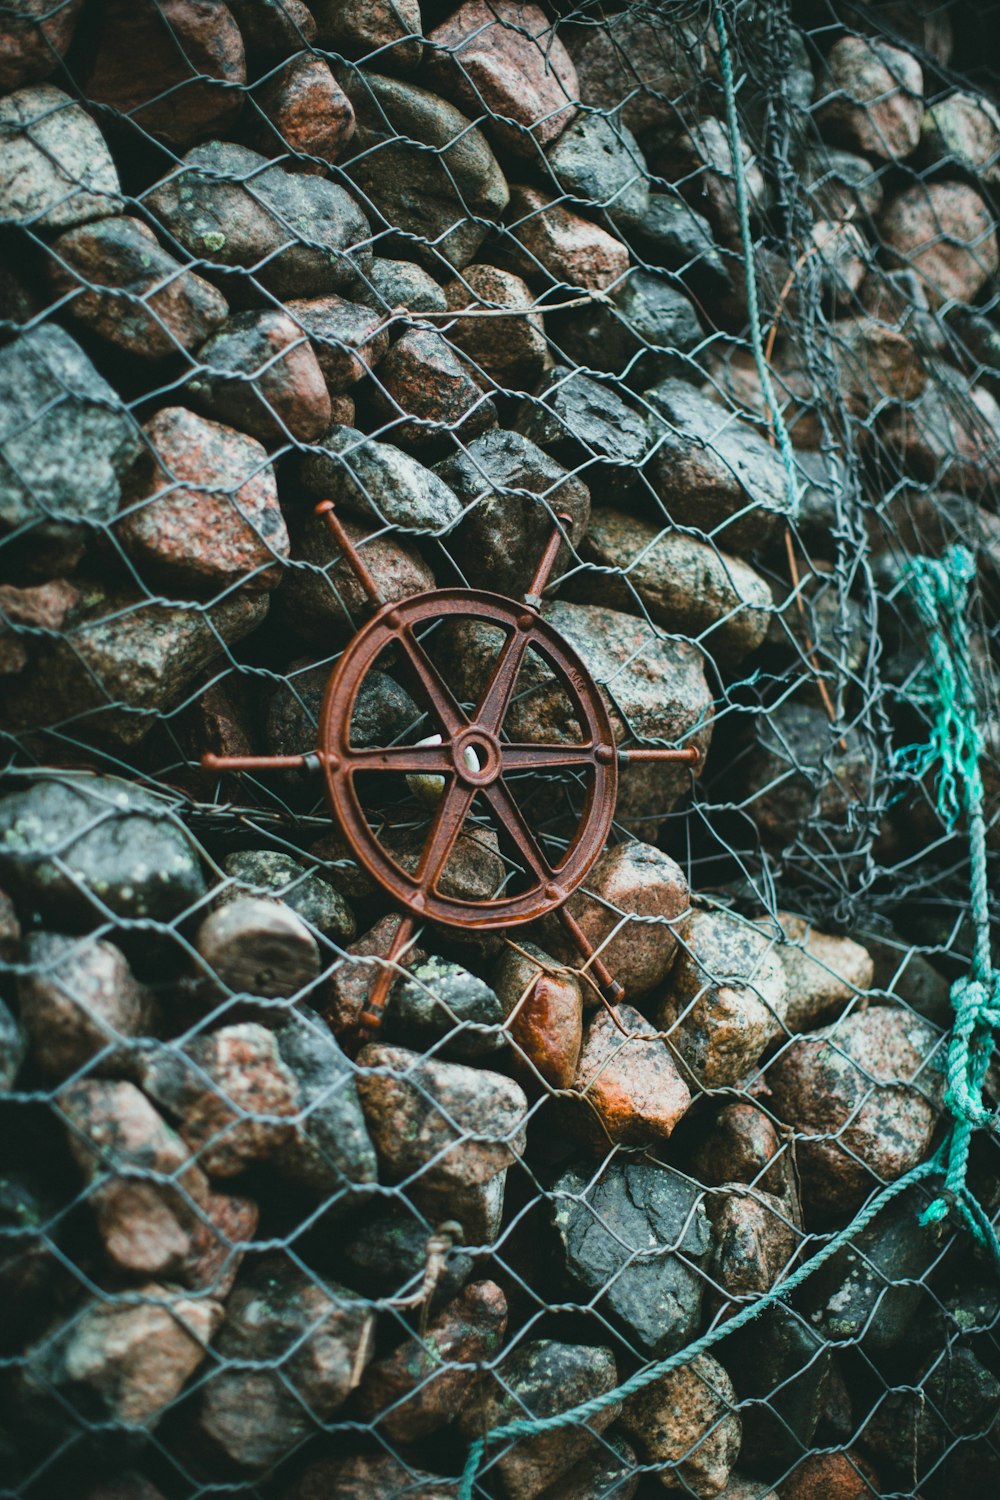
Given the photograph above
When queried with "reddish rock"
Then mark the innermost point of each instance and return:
(223, 1230)
(861, 1096)
(128, 289)
(79, 1000)
(544, 1005)
(545, 240)
(511, 351)
(726, 997)
(122, 1146)
(259, 373)
(874, 100)
(740, 1146)
(371, 1476)
(831, 1476)
(305, 111)
(422, 381)
(274, 27)
(454, 1125)
(629, 881)
(754, 1239)
(156, 62)
(627, 1078)
(688, 1421)
(23, 612)
(203, 504)
(418, 1387)
(290, 1351)
(323, 595)
(634, 63)
(347, 338)
(351, 981)
(364, 27)
(823, 973)
(945, 232)
(33, 39)
(503, 58)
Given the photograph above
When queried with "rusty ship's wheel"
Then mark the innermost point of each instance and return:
(468, 758)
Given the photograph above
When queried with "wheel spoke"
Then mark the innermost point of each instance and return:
(545, 757)
(440, 697)
(448, 820)
(511, 817)
(500, 689)
(417, 760)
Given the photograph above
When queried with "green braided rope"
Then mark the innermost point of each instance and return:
(576, 1415)
(749, 267)
(940, 591)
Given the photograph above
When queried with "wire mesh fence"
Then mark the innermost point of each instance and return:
(480, 937)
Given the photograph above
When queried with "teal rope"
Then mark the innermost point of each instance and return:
(576, 1415)
(940, 591)
(749, 267)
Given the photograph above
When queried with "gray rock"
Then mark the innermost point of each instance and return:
(259, 373)
(299, 235)
(332, 1152)
(400, 283)
(71, 848)
(510, 490)
(612, 1470)
(587, 428)
(682, 584)
(963, 129)
(291, 1350)
(840, 183)
(440, 1002)
(596, 161)
(621, 1230)
(66, 439)
(780, 1366)
(441, 199)
(79, 1000)
(540, 1378)
(676, 238)
(55, 168)
(387, 1257)
(700, 161)
(712, 470)
(13, 1047)
(270, 872)
(427, 391)
(639, 336)
(382, 712)
(378, 479)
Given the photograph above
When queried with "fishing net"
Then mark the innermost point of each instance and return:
(500, 586)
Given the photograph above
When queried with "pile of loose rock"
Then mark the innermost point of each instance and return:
(462, 272)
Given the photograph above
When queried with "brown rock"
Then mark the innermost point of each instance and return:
(450, 1123)
(478, 1208)
(545, 240)
(945, 232)
(511, 351)
(742, 1145)
(274, 27)
(823, 974)
(10, 929)
(630, 907)
(130, 1360)
(303, 110)
(688, 1421)
(363, 27)
(611, 1470)
(538, 1379)
(223, 1230)
(963, 128)
(23, 612)
(291, 1350)
(754, 1239)
(33, 39)
(259, 373)
(861, 1096)
(347, 338)
(831, 1476)
(725, 999)
(628, 1079)
(681, 583)
(256, 947)
(740, 1488)
(204, 504)
(321, 591)
(418, 1387)
(544, 1006)
(503, 58)
(351, 981)
(646, 69)
(948, 437)
(122, 1146)
(422, 385)
(875, 99)
(128, 289)
(79, 1001)
(156, 62)
(371, 1476)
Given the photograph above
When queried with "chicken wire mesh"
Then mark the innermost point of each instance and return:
(477, 276)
